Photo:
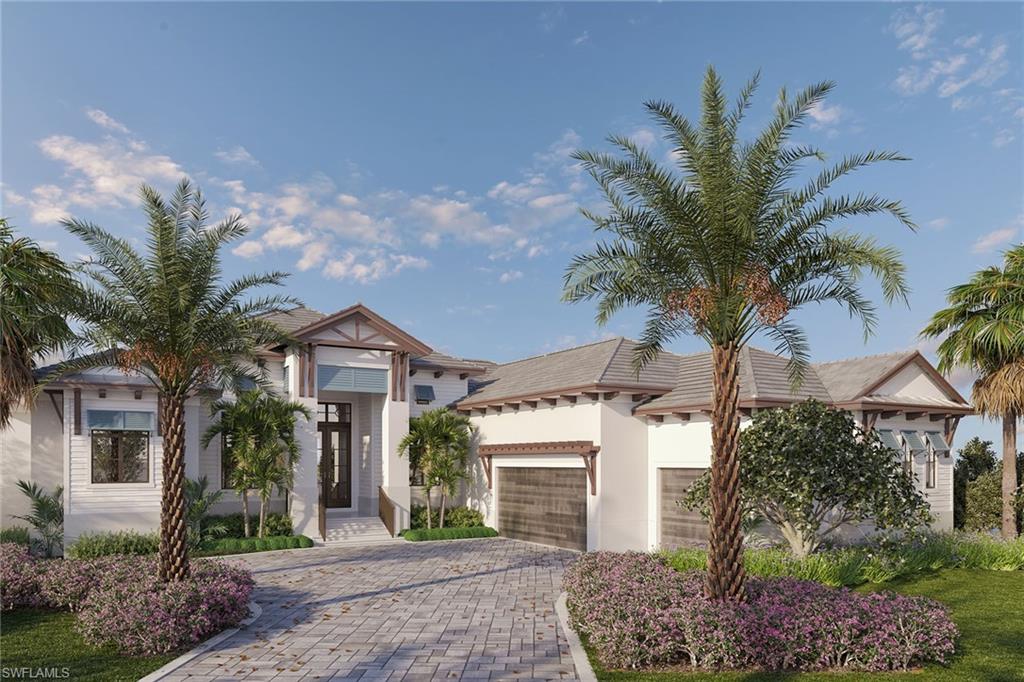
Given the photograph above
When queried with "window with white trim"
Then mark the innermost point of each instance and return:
(913, 444)
(120, 445)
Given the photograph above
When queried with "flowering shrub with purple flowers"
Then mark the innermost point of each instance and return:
(637, 611)
(120, 601)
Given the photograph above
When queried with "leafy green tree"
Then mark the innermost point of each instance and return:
(437, 445)
(724, 244)
(984, 505)
(259, 430)
(167, 315)
(47, 517)
(36, 296)
(982, 329)
(809, 469)
(975, 458)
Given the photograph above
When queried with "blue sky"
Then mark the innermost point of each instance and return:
(415, 156)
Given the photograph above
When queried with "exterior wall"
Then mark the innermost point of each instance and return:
(447, 389)
(16, 455)
(622, 487)
(941, 496)
(912, 382)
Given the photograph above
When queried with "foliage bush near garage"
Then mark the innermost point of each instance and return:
(92, 545)
(885, 559)
(637, 611)
(456, 517)
(121, 602)
(426, 534)
(225, 546)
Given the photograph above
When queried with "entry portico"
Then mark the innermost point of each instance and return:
(351, 370)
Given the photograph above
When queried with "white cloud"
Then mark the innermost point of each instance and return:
(518, 192)
(916, 28)
(939, 223)
(104, 120)
(581, 38)
(348, 200)
(248, 249)
(1003, 137)
(284, 236)
(996, 238)
(313, 254)
(824, 116)
(510, 276)
(375, 265)
(643, 137)
(968, 41)
(238, 155)
(47, 204)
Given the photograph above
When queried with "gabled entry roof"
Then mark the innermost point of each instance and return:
(356, 326)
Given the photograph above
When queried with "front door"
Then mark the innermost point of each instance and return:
(336, 458)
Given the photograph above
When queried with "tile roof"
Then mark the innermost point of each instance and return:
(296, 318)
(436, 359)
(605, 362)
(848, 379)
(763, 376)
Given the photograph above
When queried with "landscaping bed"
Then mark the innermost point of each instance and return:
(225, 546)
(428, 534)
(119, 602)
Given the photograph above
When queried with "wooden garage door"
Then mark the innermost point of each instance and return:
(678, 527)
(543, 504)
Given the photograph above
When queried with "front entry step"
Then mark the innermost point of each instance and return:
(357, 530)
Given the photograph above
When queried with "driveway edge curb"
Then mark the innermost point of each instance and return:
(255, 611)
(579, 655)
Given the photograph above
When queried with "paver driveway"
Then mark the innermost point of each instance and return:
(477, 609)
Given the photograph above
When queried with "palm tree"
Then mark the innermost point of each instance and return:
(167, 315)
(437, 444)
(983, 330)
(36, 293)
(721, 245)
(47, 515)
(259, 429)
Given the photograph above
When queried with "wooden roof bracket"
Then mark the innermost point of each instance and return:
(590, 462)
(485, 460)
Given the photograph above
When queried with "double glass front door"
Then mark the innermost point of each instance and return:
(334, 428)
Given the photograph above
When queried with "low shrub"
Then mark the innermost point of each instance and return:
(637, 611)
(455, 517)
(225, 546)
(19, 535)
(427, 534)
(19, 578)
(108, 543)
(140, 616)
(234, 524)
(885, 559)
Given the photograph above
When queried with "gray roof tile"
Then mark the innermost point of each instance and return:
(848, 379)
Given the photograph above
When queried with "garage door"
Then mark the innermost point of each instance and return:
(543, 504)
(678, 527)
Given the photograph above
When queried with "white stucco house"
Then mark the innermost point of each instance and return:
(572, 448)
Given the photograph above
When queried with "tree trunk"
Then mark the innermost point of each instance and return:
(725, 539)
(1009, 474)
(426, 490)
(173, 527)
(440, 520)
(245, 513)
(263, 515)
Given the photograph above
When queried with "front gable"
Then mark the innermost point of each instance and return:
(360, 327)
(915, 378)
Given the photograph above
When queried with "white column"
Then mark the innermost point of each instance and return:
(305, 490)
(395, 469)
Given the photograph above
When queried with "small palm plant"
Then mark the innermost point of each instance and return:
(168, 316)
(200, 500)
(259, 428)
(437, 445)
(47, 517)
(982, 329)
(36, 294)
(721, 245)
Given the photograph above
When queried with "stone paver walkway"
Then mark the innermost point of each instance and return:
(472, 610)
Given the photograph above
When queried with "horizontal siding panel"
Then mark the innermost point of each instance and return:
(678, 527)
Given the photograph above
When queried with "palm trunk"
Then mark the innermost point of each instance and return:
(1009, 474)
(440, 520)
(173, 527)
(426, 490)
(245, 513)
(263, 515)
(725, 575)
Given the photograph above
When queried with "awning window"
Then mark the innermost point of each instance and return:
(424, 394)
(120, 420)
(913, 441)
(889, 440)
(937, 442)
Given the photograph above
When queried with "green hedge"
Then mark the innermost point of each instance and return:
(277, 524)
(92, 545)
(455, 517)
(16, 534)
(247, 545)
(427, 534)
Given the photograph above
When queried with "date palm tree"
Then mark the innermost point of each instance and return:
(168, 315)
(723, 243)
(36, 292)
(982, 330)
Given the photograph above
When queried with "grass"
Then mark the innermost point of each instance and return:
(427, 534)
(35, 639)
(987, 606)
(225, 546)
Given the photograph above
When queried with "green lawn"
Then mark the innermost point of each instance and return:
(988, 607)
(47, 639)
